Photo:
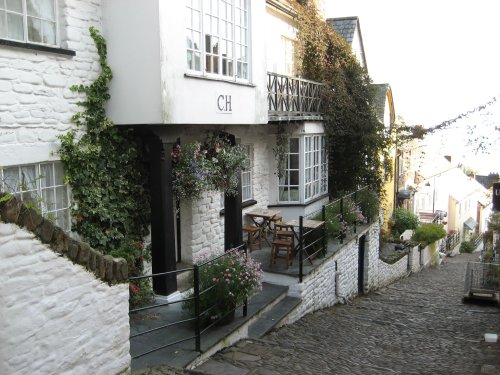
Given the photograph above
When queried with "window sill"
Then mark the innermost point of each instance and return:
(37, 47)
(245, 204)
(299, 204)
(188, 75)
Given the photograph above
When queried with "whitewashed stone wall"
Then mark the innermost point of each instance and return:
(388, 273)
(57, 318)
(202, 227)
(36, 104)
(336, 280)
(430, 255)
(414, 259)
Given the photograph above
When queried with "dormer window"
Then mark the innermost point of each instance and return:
(29, 21)
(217, 38)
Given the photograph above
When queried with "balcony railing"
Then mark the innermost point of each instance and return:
(292, 98)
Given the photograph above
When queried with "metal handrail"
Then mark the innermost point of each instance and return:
(196, 298)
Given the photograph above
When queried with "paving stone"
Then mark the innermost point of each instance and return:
(240, 356)
(212, 367)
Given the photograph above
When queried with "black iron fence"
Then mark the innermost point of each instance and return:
(335, 220)
(194, 297)
(290, 97)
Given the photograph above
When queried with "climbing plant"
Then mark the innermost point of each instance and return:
(103, 166)
(357, 142)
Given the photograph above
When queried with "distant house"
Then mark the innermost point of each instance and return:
(446, 194)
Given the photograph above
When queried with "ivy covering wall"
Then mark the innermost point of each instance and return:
(104, 168)
(357, 142)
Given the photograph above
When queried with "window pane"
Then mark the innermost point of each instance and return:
(196, 41)
(294, 145)
(11, 179)
(49, 32)
(15, 26)
(294, 194)
(61, 197)
(46, 175)
(48, 200)
(294, 161)
(28, 177)
(41, 8)
(13, 5)
(283, 193)
(197, 61)
(34, 30)
(62, 219)
(294, 177)
(3, 24)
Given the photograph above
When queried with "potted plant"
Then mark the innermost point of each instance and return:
(225, 282)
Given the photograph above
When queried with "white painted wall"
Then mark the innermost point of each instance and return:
(57, 318)
(152, 86)
(36, 104)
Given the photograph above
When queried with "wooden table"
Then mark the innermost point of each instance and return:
(265, 224)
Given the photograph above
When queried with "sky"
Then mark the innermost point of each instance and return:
(441, 57)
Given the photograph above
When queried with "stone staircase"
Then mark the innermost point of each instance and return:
(265, 311)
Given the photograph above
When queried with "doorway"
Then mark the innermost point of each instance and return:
(361, 263)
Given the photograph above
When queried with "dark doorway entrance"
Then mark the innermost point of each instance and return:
(361, 263)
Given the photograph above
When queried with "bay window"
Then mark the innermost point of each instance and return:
(217, 38)
(32, 21)
(305, 174)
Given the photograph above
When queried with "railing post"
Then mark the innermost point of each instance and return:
(323, 218)
(356, 206)
(196, 287)
(299, 98)
(341, 218)
(245, 303)
(301, 246)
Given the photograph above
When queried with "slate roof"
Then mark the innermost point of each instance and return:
(380, 99)
(345, 27)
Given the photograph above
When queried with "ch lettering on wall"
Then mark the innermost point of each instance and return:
(224, 104)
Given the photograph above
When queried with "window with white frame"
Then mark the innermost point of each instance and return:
(246, 175)
(306, 171)
(42, 186)
(218, 37)
(32, 21)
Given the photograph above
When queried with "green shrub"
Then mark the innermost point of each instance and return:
(369, 203)
(429, 233)
(466, 247)
(402, 220)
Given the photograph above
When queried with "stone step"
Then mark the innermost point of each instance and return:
(267, 321)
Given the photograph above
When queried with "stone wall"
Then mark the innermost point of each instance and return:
(430, 255)
(36, 104)
(57, 316)
(414, 259)
(389, 273)
(202, 227)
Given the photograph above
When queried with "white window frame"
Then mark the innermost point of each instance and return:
(247, 170)
(312, 170)
(39, 192)
(25, 18)
(231, 29)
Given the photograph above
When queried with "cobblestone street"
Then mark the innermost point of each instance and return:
(416, 326)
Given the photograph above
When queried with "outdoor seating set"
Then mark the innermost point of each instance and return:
(284, 241)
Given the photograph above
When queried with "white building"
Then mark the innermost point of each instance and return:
(188, 67)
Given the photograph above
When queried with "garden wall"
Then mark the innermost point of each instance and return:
(336, 280)
(64, 307)
(389, 273)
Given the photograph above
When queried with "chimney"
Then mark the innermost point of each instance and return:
(496, 196)
(448, 157)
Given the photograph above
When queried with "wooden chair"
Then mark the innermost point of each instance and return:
(254, 236)
(282, 245)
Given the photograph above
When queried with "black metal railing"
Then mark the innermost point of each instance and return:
(198, 290)
(292, 98)
(339, 217)
(449, 243)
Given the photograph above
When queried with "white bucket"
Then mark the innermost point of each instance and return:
(490, 337)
